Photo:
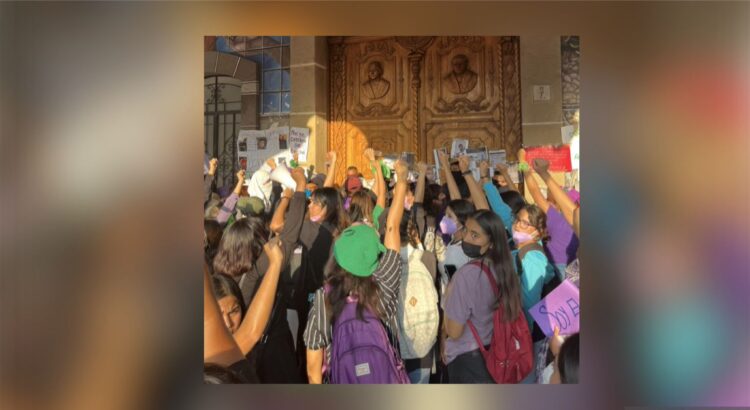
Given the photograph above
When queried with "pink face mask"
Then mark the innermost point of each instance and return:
(407, 204)
(448, 226)
(316, 218)
(522, 237)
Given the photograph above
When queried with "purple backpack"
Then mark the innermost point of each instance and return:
(361, 352)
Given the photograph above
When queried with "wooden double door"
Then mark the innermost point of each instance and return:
(415, 94)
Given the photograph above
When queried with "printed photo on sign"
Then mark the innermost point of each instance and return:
(497, 156)
(262, 143)
(242, 146)
(282, 141)
(459, 147)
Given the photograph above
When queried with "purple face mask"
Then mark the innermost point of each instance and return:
(522, 237)
(448, 226)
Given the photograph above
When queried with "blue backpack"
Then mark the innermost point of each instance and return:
(361, 352)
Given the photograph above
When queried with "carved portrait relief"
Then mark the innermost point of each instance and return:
(415, 94)
(461, 79)
(376, 86)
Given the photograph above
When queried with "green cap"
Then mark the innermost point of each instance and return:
(357, 250)
(251, 205)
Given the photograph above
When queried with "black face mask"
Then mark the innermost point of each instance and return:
(471, 250)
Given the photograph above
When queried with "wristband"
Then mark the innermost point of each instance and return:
(465, 173)
(523, 166)
(293, 163)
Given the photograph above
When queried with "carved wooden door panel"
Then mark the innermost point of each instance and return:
(472, 91)
(416, 93)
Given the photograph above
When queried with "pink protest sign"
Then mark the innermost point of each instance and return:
(561, 308)
(558, 157)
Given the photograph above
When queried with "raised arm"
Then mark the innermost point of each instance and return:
(208, 180)
(259, 312)
(566, 205)
(218, 345)
(453, 191)
(477, 195)
(331, 171)
(380, 192)
(534, 190)
(231, 201)
(396, 212)
(277, 222)
(279, 216)
(504, 172)
(421, 180)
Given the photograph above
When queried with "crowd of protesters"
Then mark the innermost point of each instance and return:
(319, 278)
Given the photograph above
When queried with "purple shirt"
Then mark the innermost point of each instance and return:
(469, 296)
(562, 245)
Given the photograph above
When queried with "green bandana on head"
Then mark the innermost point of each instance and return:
(358, 249)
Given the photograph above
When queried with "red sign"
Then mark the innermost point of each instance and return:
(558, 157)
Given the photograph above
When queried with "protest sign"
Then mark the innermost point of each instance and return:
(299, 139)
(410, 158)
(497, 156)
(459, 147)
(575, 152)
(560, 308)
(257, 146)
(435, 153)
(558, 157)
(476, 155)
(513, 171)
(567, 133)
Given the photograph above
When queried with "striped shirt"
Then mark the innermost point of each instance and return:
(388, 279)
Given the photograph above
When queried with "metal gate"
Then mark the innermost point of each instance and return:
(222, 124)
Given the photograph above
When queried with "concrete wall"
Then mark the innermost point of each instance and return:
(540, 65)
(309, 71)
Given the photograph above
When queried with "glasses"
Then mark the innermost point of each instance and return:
(523, 224)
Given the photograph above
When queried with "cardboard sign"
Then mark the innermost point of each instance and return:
(257, 146)
(299, 139)
(561, 309)
(558, 157)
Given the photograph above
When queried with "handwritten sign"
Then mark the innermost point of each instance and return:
(558, 157)
(561, 309)
(298, 141)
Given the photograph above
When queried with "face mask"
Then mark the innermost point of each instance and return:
(316, 218)
(407, 205)
(522, 237)
(308, 193)
(471, 250)
(447, 226)
(347, 203)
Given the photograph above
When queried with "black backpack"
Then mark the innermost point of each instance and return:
(536, 333)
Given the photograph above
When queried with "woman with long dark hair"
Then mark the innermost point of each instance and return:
(470, 297)
(241, 256)
(361, 268)
(318, 226)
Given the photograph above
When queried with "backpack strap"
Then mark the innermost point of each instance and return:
(535, 246)
(493, 282)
